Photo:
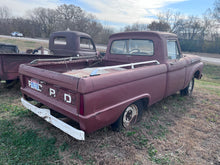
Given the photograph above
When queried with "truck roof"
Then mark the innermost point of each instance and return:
(159, 43)
(70, 33)
(143, 33)
(70, 42)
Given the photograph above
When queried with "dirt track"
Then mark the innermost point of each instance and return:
(208, 58)
(211, 55)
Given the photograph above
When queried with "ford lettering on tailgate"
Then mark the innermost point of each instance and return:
(52, 91)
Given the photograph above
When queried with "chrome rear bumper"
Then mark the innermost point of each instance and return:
(45, 114)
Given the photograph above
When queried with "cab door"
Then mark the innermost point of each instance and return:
(176, 68)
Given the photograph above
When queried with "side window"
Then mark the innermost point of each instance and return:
(60, 41)
(86, 43)
(172, 49)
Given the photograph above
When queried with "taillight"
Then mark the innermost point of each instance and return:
(22, 80)
(81, 106)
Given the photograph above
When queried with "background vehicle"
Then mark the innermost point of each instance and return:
(61, 44)
(8, 48)
(17, 34)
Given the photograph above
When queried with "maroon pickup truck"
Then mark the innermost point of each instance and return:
(61, 44)
(138, 70)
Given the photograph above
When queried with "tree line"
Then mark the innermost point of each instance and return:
(195, 33)
(41, 22)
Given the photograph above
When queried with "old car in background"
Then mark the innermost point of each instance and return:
(17, 34)
(61, 45)
(8, 48)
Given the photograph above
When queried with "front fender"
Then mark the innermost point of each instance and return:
(195, 70)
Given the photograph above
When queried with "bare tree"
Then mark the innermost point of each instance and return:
(4, 12)
(173, 19)
(69, 16)
(208, 25)
(46, 18)
(136, 27)
(187, 27)
(104, 34)
(159, 26)
(195, 28)
(217, 10)
(40, 22)
(190, 28)
(91, 26)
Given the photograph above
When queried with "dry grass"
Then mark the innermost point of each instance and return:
(23, 45)
(176, 130)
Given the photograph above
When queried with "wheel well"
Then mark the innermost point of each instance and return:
(145, 102)
(197, 74)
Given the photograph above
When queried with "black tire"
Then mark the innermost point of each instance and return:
(11, 83)
(131, 115)
(188, 90)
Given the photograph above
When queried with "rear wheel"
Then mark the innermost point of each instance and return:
(189, 89)
(131, 115)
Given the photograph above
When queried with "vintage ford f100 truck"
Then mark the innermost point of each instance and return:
(61, 44)
(138, 70)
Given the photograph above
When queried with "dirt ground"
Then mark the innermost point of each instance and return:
(177, 130)
(174, 131)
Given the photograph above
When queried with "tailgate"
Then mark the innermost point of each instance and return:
(53, 89)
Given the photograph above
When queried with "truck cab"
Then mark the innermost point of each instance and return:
(61, 44)
(72, 43)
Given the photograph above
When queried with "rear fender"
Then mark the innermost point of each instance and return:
(145, 99)
(109, 115)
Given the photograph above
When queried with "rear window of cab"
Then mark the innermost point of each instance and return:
(133, 47)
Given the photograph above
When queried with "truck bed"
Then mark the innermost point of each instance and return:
(9, 63)
(95, 71)
(86, 72)
(64, 86)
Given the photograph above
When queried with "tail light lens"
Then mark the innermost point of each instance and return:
(81, 106)
(22, 80)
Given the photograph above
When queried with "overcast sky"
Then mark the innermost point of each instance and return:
(116, 12)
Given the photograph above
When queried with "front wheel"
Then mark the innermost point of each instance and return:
(131, 115)
(189, 89)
